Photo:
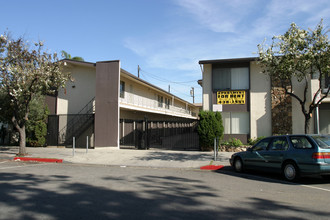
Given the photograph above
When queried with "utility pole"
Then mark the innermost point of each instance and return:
(192, 94)
(169, 88)
(138, 71)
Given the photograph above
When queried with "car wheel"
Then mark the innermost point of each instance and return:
(238, 165)
(290, 171)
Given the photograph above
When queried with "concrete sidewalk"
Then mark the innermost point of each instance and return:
(124, 157)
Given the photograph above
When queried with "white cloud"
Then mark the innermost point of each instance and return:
(248, 22)
(217, 16)
(279, 14)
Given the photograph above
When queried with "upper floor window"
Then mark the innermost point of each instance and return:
(122, 89)
(236, 78)
(160, 101)
(167, 103)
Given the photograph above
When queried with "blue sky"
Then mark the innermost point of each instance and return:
(166, 38)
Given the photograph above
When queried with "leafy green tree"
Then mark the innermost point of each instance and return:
(25, 72)
(210, 127)
(301, 55)
(36, 126)
(68, 56)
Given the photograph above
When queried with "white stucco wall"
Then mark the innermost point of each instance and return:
(207, 87)
(78, 93)
(298, 119)
(260, 102)
(140, 97)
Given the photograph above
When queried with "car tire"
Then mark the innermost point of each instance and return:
(290, 171)
(238, 165)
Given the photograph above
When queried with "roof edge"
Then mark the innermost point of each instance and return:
(230, 60)
(155, 87)
(78, 62)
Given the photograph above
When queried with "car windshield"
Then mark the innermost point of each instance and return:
(323, 141)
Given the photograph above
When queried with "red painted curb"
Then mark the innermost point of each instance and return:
(47, 160)
(212, 167)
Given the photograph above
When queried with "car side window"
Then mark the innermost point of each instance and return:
(301, 142)
(261, 145)
(278, 143)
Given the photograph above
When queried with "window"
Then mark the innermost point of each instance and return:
(167, 103)
(236, 122)
(230, 78)
(322, 140)
(301, 142)
(160, 101)
(261, 145)
(122, 89)
(325, 83)
(324, 118)
(279, 143)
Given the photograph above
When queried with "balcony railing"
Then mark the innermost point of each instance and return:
(139, 101)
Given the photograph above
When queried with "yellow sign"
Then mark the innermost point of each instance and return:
(230, 97)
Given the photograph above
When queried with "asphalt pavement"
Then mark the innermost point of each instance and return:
(123, 157)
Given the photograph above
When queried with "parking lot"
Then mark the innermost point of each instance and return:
(77, 191)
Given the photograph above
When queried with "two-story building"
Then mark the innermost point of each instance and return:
(252, 105)
(112, 107)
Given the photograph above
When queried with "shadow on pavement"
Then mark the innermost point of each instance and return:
(8, 151)
(30, 196)
(167, 156)
(272, 177)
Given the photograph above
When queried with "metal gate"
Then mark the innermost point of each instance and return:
(52, 130)
(62, 128)
(170, 135)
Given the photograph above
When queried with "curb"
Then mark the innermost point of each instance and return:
(212, 167)
(46, 160)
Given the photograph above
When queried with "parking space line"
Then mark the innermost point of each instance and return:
(313, 187)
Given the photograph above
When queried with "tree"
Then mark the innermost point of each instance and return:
(209, 127)
(68, 56)
(298, 55)
(25, 72)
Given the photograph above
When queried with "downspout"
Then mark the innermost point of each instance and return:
(202, 70)
(317, 121)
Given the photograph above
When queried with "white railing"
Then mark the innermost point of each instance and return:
(152, 104)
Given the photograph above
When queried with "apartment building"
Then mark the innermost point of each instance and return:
(101, 98)
(252, 105)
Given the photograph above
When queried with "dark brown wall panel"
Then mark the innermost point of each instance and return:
(51, 103)
(107, 104)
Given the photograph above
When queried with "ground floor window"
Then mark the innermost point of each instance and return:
(236, 122)
(324, 120)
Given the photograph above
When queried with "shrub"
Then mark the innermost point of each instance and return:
(209, 127)
(234, 142)
(36, 127)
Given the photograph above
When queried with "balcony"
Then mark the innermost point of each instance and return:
(142, 103)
